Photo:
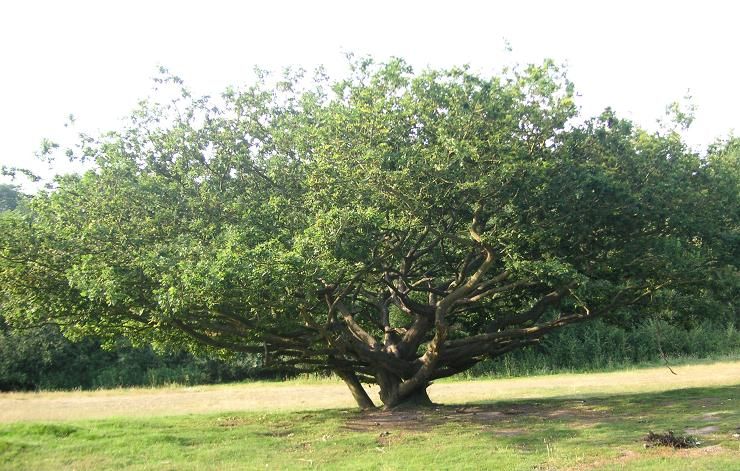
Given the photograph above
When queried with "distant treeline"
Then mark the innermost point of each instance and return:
(601, 346)
(41, 358)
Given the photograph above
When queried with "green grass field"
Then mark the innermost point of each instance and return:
(596, 427)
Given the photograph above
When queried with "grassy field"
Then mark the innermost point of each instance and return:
(586, 421)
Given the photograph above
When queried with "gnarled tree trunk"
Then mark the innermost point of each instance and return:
(358, 392)
(417, 398)
(403, 358)
(392, 395)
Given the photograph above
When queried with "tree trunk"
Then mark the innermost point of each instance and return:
(419, 398)
(355, 387)
(390, 394)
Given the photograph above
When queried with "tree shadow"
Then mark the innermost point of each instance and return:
(711, 409)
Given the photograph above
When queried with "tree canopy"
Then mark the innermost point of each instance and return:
(392, 227)
(9, 197)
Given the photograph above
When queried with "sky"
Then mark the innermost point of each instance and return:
(95, 59)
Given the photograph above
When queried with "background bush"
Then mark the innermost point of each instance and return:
(601, 346)
(41, 358)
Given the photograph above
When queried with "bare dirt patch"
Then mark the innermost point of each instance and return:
(497, 416)
(380, 421)
(702, 430)
(230, 422)
(278, 433)
(711, 416)
(624, 457)
(693, 452)
(627, 456)
(386, 438)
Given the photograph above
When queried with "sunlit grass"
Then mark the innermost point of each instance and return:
(593, 432)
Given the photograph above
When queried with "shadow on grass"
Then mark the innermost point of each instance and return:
(590, 432)
(706, 410)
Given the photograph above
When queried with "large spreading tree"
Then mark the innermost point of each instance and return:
(391, 227)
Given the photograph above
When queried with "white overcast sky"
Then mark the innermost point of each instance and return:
(95, 59)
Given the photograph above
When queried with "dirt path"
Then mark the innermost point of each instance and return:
(302, 396)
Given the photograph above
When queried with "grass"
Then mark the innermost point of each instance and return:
(599, 425)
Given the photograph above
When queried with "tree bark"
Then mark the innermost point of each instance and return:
(390, 393)
(418, 398)
(355, 387)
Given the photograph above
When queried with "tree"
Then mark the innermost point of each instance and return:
(9, 197)
(392, 228)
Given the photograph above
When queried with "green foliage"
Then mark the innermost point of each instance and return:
(289, 217)
(41, 358)
(9, 197)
